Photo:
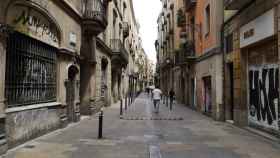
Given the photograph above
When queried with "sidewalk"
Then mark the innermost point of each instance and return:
(196, 136)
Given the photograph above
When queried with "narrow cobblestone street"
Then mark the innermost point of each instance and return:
(143, 134)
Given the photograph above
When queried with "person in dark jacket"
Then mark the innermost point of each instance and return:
(171, 98)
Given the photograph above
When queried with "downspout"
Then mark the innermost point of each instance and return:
(223, 118)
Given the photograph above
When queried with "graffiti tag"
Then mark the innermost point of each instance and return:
(264, 96)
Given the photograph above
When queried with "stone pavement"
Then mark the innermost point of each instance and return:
(143, 134)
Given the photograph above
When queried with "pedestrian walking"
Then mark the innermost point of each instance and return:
(171, 98)
(157, 94)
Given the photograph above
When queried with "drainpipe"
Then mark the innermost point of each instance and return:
(223, 73)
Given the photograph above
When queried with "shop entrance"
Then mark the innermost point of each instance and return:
(231, 92)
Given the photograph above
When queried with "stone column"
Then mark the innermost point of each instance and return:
(3, 44)
(2, 70)
(88, 81)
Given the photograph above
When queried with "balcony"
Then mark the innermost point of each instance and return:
(171, 31)
(189, 4)
(165, 4)
(120, 55)
(125, 29)
(235, 4)
(94, 17)
(186, 53)
(181, 18)
(166, 62)
(167, 37)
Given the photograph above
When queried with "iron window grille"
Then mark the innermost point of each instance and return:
(30, 71)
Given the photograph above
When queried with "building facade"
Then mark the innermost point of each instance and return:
(227, 64)
(251, 57)
(208, 21)
(165, 45)
(191, 47)
(40, 65)
(60, 60)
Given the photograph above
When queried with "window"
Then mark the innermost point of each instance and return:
(207, 20)
(30, 71)
(229, 43)
(193, 29)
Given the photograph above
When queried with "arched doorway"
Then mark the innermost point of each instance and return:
(71, 93)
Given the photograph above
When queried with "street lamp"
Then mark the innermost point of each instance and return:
(168, 61)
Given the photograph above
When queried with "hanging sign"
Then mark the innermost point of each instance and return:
(260, 28)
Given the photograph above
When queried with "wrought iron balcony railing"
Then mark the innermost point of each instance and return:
(171, 30)
(94, 16)
(120, 55)
(235, 4)
(125, 29)
(181, 18)
(165, 4)
(190, 4)
(185, 54)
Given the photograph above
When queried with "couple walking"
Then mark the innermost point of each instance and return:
(157, 95)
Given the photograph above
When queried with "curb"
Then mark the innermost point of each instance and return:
(265, 135)
(255, 132)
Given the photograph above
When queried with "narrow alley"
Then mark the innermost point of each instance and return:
(181, 133)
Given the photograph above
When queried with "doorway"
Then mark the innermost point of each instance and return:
(71, 92)
(207, 95)
(231, 92)
(183, 89)
(193, 93)
(104, 83)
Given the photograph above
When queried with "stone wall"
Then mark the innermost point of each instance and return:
(239, 57)
(211, 67)
(25, 125)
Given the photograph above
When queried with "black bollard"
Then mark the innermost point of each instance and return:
(166, 101)
(125, 103)
(100, 125)
(121, 108)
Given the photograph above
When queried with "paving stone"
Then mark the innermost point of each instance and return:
(182, 133)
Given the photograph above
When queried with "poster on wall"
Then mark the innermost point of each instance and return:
(264, 96)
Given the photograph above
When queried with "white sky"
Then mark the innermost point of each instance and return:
(146, 12)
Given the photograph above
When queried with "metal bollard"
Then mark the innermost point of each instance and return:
(125, 103)
(171, 104)
(166, 101)
(100, 125)
(121, 108)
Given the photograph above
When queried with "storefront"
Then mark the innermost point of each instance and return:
(258, 42)
(41, 81)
